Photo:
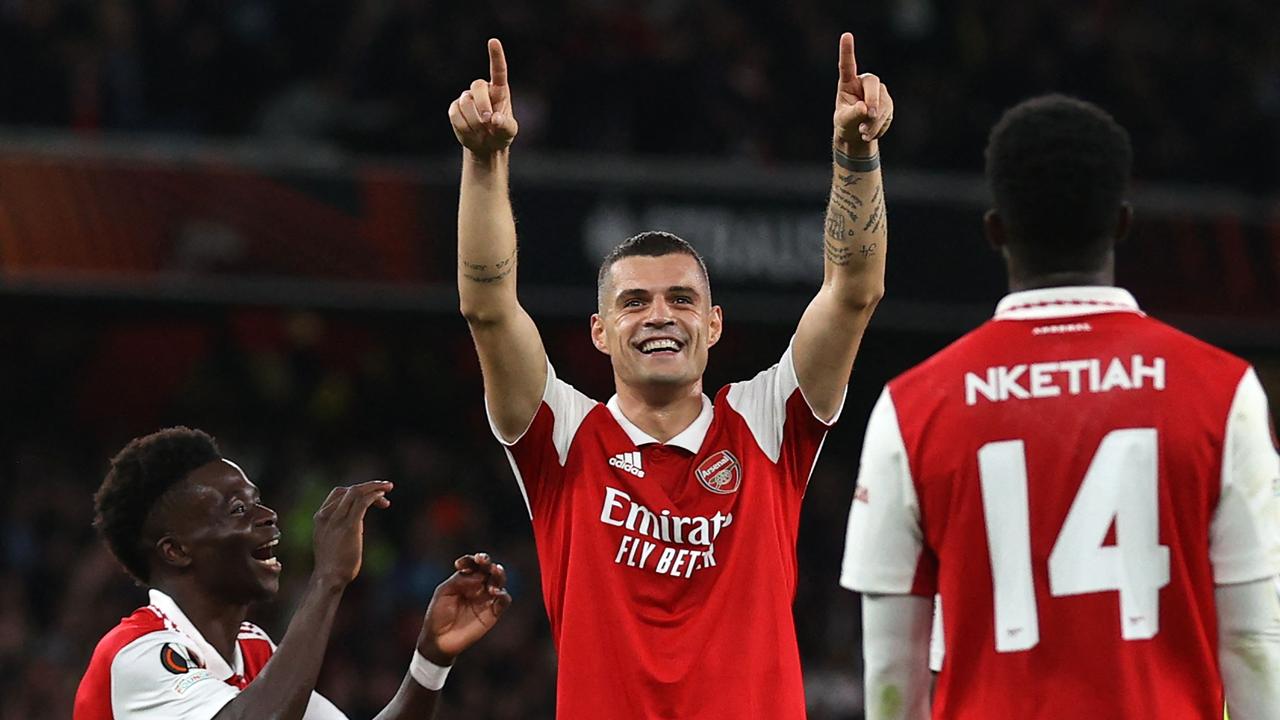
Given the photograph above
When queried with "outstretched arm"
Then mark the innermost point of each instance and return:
(463, 609)
(854, 243)
(512, 357)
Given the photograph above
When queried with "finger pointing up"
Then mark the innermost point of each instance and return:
(848, 63)
(497, 64)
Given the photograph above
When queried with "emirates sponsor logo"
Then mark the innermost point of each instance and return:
(721, 473)
(628, 462)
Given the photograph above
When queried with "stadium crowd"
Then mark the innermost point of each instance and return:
(738, 80)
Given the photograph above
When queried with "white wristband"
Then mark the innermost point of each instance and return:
(428, 674)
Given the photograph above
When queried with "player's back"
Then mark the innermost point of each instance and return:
(1068, 471)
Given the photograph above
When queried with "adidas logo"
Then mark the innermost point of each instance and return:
(628, 461)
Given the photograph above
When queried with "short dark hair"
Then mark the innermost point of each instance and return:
(1058, 168)
(652, 243)
(140, 474)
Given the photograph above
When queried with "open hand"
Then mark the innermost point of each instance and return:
(338, 537)
(463, 608)
(864, 109)
(481, 117)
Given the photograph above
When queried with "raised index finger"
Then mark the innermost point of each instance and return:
(497, 63)
(848, 64)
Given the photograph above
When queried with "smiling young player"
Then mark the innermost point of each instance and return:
(665, 522)
(188, 524)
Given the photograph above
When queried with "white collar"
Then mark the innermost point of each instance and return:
(213, 662)
(1058, 302)
(689, 439)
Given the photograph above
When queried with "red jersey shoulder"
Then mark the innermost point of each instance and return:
(93, 697)
(141, 622)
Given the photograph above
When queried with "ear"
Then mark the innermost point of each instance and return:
(716, 323)
(597, 333)
(993, 229)
(172, 552)
(1124, 222)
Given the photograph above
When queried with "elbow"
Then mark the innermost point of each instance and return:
(479, 314)
(861, 300)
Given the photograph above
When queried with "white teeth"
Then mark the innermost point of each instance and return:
(660, 344)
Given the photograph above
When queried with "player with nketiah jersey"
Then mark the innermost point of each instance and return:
(665, 522)
(1092, 493)
(190, 526)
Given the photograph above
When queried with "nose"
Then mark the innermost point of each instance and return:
(659, 314)
(266, 517)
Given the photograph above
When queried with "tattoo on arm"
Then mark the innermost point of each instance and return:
(845, 210)
(835, 226)
(484, 273)
(837, 254)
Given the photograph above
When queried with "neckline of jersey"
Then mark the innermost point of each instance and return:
(688, 439)
(1068, 301)
(214, 662)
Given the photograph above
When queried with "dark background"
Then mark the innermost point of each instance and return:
(240, 216)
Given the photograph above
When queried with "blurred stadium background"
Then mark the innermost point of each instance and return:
(240, 216)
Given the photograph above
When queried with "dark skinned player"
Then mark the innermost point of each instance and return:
(189, 525)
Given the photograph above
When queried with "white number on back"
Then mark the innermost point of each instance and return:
(1121, 485)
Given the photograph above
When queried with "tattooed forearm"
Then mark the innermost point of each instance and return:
(853, 213)
(836, 226)
(488, 273)
(846, 201)
(874, 220)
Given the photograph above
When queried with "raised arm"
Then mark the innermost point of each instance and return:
(854, 244)
(284, 689)
(512, 357)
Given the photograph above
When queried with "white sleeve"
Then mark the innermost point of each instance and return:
(895, 650)
(569, 407)
(884, 539)
(319, 708)
(1249, 648)
(762, 402)
(1244, 539)
(142, 689)
(937, 638)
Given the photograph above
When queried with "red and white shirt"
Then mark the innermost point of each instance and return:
(155, 665)
(669, 570)
(1073, 478)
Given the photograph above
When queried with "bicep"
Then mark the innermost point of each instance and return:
(826, 343)
(513, 362)
(885, 543)
(1245, 534)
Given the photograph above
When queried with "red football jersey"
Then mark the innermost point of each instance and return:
(1073, 478)
(155, 665)
(669, 570)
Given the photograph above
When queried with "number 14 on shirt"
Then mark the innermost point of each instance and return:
(1121, 485)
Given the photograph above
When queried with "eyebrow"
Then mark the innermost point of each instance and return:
(641, 292)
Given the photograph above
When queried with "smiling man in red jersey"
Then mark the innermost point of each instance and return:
(665, 521)
(188, 524)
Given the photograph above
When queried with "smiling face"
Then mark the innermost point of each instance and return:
(217, 529)
(656, 320)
